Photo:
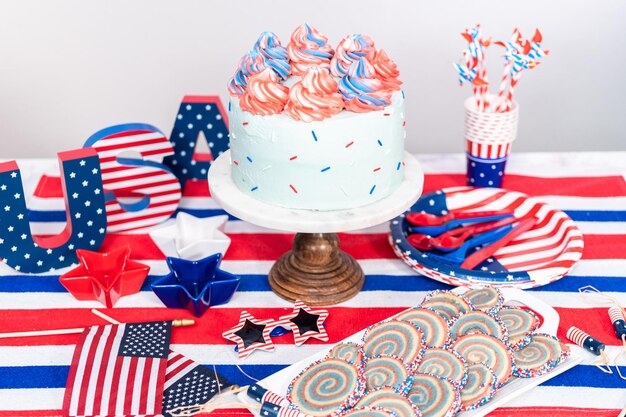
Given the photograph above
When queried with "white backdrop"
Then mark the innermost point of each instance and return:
(71, 67)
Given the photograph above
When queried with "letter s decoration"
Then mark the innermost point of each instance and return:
(131, 155)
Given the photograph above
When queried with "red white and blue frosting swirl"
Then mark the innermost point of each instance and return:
(351, 49)
(366, 77)
(276, 56)
(308, 48)
(361, 90)
(250, 64)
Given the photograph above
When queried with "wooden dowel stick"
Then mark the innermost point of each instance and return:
(41, 333)
(104, 316)
(175, 323)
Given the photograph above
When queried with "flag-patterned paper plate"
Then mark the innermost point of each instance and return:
(537, 257)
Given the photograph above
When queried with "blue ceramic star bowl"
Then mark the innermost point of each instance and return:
(195, 285)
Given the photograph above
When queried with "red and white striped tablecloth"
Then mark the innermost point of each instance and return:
(590, 187)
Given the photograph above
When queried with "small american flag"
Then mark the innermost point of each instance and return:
(119, 370)
(189, 384)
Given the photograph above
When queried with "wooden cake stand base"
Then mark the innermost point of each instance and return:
(316, 271)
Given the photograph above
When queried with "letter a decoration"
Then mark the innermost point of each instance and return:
(199, 118)
(86, 217)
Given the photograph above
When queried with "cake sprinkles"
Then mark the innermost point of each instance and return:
(285, 102)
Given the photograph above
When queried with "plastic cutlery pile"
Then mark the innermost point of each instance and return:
(486, 236)
(450, 237)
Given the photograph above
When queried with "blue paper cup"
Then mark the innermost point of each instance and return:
(488, 137)
(486, 172)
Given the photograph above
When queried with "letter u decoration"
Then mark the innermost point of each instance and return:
(86, 216)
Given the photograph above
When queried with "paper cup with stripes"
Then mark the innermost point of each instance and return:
(488, 138)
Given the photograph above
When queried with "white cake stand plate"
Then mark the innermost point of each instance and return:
(316, 271)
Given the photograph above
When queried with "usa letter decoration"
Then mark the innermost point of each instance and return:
(198, 116)
(86, 217)
(131, 156)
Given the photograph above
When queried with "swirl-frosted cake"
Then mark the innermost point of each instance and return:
(316, 127)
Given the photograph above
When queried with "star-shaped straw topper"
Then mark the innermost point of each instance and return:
(192, 238)
(196, 285)
(105, 277)
(251, 334)
(305, 323)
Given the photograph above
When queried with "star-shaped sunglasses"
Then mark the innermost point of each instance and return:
(251, 333)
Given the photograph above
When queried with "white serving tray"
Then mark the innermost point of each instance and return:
(279, 381)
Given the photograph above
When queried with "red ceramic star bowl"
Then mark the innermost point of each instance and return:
(105, 277)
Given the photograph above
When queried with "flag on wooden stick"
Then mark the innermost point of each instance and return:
(119, 370)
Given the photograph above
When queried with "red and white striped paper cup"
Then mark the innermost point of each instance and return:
(488, 140)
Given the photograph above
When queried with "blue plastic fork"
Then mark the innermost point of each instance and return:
(458, 255)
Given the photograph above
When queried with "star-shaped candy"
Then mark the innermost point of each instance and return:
(305, 323)
(105, 277)
(195, 285)
(251, 334)
(191, 237)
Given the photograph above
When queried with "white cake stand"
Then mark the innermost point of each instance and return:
(315, 271)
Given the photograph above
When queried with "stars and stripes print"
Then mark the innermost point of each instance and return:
(85, 206)
(537, 257)
(189, 384)
(156, 187)
(551, 248)
(589, 188)
(118, 370)
(486, 150)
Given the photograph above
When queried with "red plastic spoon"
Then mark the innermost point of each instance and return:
(428, 219)
(455, 238)
(420, 241)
